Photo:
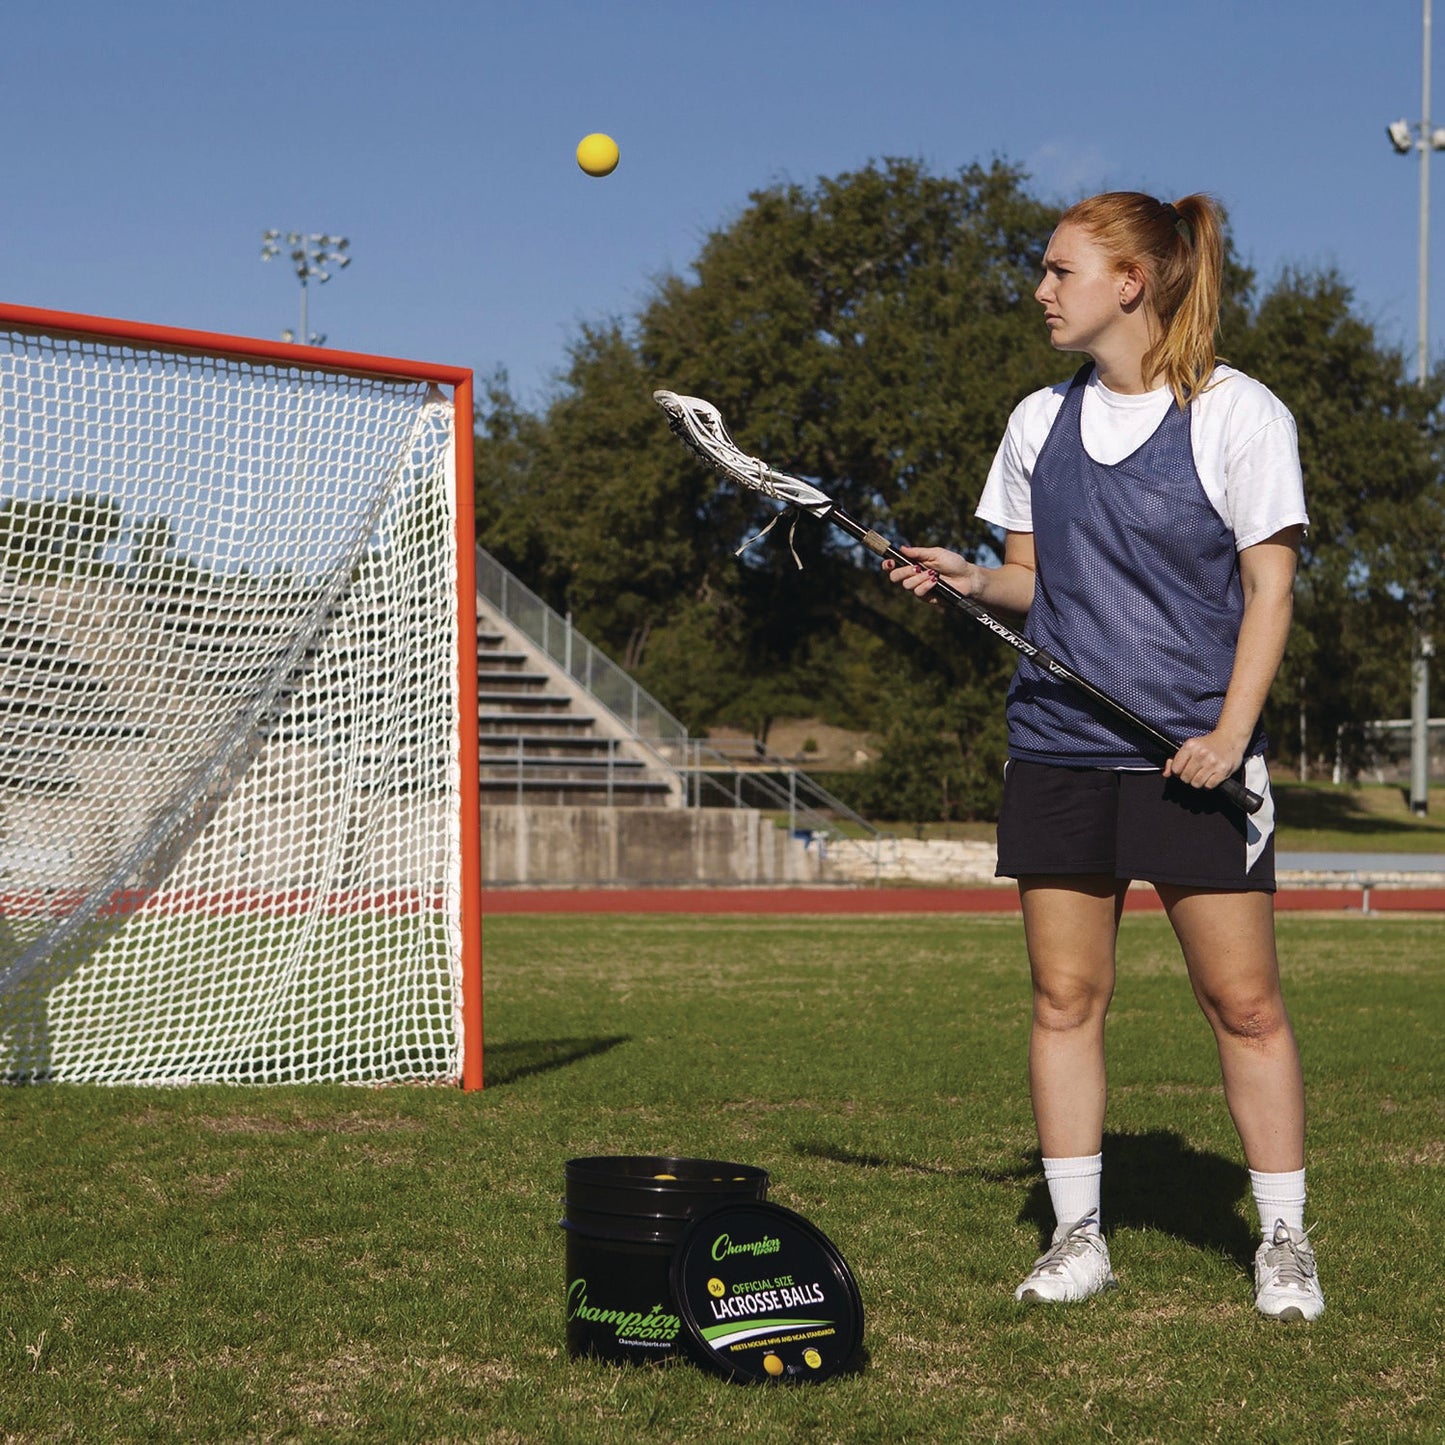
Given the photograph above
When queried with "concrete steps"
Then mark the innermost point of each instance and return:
(541, 744)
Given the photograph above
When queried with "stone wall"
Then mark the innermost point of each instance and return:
(944, 862)
(562, 846)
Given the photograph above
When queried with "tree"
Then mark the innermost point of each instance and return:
(59, 536)
(872, 333)
(600, 511)
(1369, 441)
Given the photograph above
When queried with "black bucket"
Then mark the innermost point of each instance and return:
(624, 1217)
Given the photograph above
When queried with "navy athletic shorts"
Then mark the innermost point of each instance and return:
(1134, 825)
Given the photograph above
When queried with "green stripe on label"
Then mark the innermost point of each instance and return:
(735, 1328)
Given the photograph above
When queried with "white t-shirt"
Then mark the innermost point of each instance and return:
(1243, 437)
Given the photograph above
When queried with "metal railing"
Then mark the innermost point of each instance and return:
(615, 773)
(640, 713)
(1392, 761)
(710, 776)
(717, 778)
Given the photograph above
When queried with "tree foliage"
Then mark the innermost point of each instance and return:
(58, 536)
(872, 332)
(1369, 444)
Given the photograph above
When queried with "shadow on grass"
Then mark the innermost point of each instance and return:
(507, 1063)
(1158, 1181)
(1319, 810)
(1151, 1181)
(832, 1154)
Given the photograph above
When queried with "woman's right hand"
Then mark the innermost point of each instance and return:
(929, 565)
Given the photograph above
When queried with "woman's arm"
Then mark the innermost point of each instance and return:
(1008, 588)
(1266, 571)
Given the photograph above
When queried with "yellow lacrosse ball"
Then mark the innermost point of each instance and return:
(597, 154)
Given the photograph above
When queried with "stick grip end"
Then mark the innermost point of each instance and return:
(1241, 796)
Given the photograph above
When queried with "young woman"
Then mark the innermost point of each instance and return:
(1152, 509)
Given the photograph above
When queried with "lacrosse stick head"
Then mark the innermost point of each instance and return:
(700, 427)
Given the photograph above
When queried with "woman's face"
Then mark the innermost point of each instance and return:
(1082, 292)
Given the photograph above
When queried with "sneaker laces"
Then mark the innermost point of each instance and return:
(1292, 1258)
(1073, 1242)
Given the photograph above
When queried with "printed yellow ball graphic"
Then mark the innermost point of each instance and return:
(812, 1358)
(716, 1288)
(773, 1365)
(597, 154)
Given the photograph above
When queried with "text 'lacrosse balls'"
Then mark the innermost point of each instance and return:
(597, 154)
(765, 1296)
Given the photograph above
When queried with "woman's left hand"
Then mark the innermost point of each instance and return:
(1205, 762)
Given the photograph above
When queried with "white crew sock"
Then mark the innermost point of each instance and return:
(1279, 1196)
(1074, 1187)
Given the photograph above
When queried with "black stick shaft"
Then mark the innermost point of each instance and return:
(880, 546)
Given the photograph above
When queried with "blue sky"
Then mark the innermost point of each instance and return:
(148, 143)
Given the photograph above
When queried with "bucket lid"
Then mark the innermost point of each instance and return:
(765, 1296)
(653, 1192)
(660, 1171)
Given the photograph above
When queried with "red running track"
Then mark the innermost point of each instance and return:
(498, 901)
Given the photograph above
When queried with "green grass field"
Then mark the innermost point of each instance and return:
(328, 1263)
(1370, 818)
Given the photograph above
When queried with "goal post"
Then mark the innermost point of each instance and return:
(239, 784)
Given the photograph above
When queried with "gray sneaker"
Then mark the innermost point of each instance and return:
(1286, 1286)
(1075, 1266)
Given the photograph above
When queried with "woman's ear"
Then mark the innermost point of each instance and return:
(1131, 285)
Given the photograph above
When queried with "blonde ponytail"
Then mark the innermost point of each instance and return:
(1179, 247)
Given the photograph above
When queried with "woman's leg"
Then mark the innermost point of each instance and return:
(1229, 949)
(1070, 924)
(1228, 943)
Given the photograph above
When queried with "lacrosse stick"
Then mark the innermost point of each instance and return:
(700, 426)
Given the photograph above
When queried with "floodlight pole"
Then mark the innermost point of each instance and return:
(1426, 141)
(1420, 663)
(310, 254)
(1425, 146)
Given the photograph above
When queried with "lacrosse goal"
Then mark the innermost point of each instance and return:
(238, 775)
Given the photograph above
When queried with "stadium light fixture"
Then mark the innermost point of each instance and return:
(310, 253)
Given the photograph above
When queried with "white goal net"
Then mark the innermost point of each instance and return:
(229, 718)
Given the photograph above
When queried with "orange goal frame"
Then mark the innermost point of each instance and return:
(459, 379)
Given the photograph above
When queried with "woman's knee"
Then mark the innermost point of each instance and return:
(1248, 1016)
(1063, 1004)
